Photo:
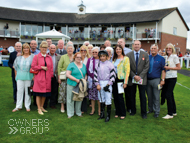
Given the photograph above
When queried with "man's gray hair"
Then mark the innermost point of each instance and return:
(96, 48)
(109, 48)
(86, 42)
(18, 43)
(154, 45)
(70, 45)
(107, 41)
(135, 41)
(121, 39)
(60, 40)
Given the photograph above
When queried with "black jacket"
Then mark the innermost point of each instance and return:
(12, 58)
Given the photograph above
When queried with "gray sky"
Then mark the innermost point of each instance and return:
(99, 6)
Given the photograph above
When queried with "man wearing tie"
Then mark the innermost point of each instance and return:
(139, 65)
(156, 69)
(60, 49)
(33, 47)
(12, 57)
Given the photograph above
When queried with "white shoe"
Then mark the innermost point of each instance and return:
(167, 117)
(174, 114)
(62, 111)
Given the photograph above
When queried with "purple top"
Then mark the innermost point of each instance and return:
(106, 72)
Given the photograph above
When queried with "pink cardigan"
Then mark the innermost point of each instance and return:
(42, 81)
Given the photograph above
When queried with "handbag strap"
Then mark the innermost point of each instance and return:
(79, 70)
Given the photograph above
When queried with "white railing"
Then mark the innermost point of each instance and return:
(3, 57)
(188, 62)
(147, 35)
(9, 33)
(181, 61)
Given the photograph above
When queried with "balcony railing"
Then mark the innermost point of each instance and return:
(9, 33)
(147, 35)
(100, 35)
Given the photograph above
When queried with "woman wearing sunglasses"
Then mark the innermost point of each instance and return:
(92, 63)
(85, 55)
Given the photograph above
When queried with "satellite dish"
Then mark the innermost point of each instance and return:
(11, 49)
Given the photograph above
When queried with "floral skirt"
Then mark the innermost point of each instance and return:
(93, 92)
(62, 92)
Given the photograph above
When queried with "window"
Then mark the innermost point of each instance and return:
(22, 29)
(40, 28)
(34, 30)
(175, 30)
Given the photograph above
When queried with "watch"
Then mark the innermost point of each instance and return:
(163, 79)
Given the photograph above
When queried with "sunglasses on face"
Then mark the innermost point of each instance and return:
(83, 50)
(79, 57)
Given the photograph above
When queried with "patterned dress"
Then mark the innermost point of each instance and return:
(62, 92)
(93, 92)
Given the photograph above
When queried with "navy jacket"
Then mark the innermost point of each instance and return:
(12, 58)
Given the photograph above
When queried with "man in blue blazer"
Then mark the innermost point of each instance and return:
(13, 55)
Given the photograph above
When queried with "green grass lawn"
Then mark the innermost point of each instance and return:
(54, 126)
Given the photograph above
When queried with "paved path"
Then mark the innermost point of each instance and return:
(184, 72)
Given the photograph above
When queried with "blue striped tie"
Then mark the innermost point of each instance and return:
(137, 58)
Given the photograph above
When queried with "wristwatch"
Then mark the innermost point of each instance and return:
(163, 79)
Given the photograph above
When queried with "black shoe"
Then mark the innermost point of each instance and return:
(156, 115)
(144, 116)
(102, 111)
(148, 112)
(132, 114)
(108, 113)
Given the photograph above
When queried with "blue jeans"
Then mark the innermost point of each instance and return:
(14, 88)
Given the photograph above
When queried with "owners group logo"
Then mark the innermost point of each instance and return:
(31, 126)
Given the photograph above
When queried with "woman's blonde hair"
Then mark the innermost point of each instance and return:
(26, 45)
(44, 44)
(172, 46)
(86, 48)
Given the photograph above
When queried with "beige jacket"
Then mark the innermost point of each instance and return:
(80, 90)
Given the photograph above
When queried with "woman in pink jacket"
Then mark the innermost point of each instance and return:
(43, 63)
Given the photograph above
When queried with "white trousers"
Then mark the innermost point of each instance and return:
(22, 85)
(105, 97)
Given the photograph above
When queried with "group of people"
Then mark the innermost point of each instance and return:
(94, 74)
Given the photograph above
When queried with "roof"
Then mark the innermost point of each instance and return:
(88, 18)
(52, 34)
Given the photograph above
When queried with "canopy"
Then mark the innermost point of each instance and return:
(53, 34)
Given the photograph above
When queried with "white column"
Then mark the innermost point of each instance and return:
(67, 29)
(133, 32)
(156, 32)
(88, 31)
(19, 31)
(37, 40)
(111, 32)
(43, 27)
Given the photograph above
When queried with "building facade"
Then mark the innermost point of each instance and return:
(155, 26)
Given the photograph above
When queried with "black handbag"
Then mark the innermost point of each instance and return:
(30, 88)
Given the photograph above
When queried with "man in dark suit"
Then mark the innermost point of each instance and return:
(60, 49)
(139, 65)
(12, 57)
(54, 80)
